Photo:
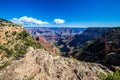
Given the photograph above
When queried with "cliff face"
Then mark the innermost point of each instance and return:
(106, 47)
(89, 34)
(48, 46)
(40, 65)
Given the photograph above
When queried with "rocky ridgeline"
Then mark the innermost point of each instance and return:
(4, 23)
(38, 64)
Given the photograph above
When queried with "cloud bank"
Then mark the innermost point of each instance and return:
(59, 21)
(28, 20)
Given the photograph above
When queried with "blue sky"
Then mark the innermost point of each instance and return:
(70, 13)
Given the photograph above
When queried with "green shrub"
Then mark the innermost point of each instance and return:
(23, 35)
(110, 76)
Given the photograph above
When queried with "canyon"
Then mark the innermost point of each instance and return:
(33, 56)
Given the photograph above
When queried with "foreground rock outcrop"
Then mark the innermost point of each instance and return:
(40, 65)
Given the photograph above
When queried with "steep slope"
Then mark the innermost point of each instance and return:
(14, 40)
(105, 48)
(40, 65)
(89, 34)
(48, 46)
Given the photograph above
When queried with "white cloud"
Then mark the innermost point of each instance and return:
(59, 21)
(28, 20)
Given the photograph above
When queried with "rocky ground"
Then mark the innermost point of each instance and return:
(40, 65)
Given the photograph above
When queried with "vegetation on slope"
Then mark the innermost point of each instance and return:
(16, 40)
(110, 76)
(99, 48)
(18, 45)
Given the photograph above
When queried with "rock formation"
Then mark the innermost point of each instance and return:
(40, 65)
(89, 34)
(105, 48)
(48, 46)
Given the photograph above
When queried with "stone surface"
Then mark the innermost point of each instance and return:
(40, 65)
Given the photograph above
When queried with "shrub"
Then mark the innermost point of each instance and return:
(22, 35)
(111, 76)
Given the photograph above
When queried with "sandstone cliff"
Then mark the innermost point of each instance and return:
(48, 46)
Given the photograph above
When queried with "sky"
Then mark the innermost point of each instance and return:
(62, 13)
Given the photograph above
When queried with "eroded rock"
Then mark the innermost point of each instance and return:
(40, 65)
